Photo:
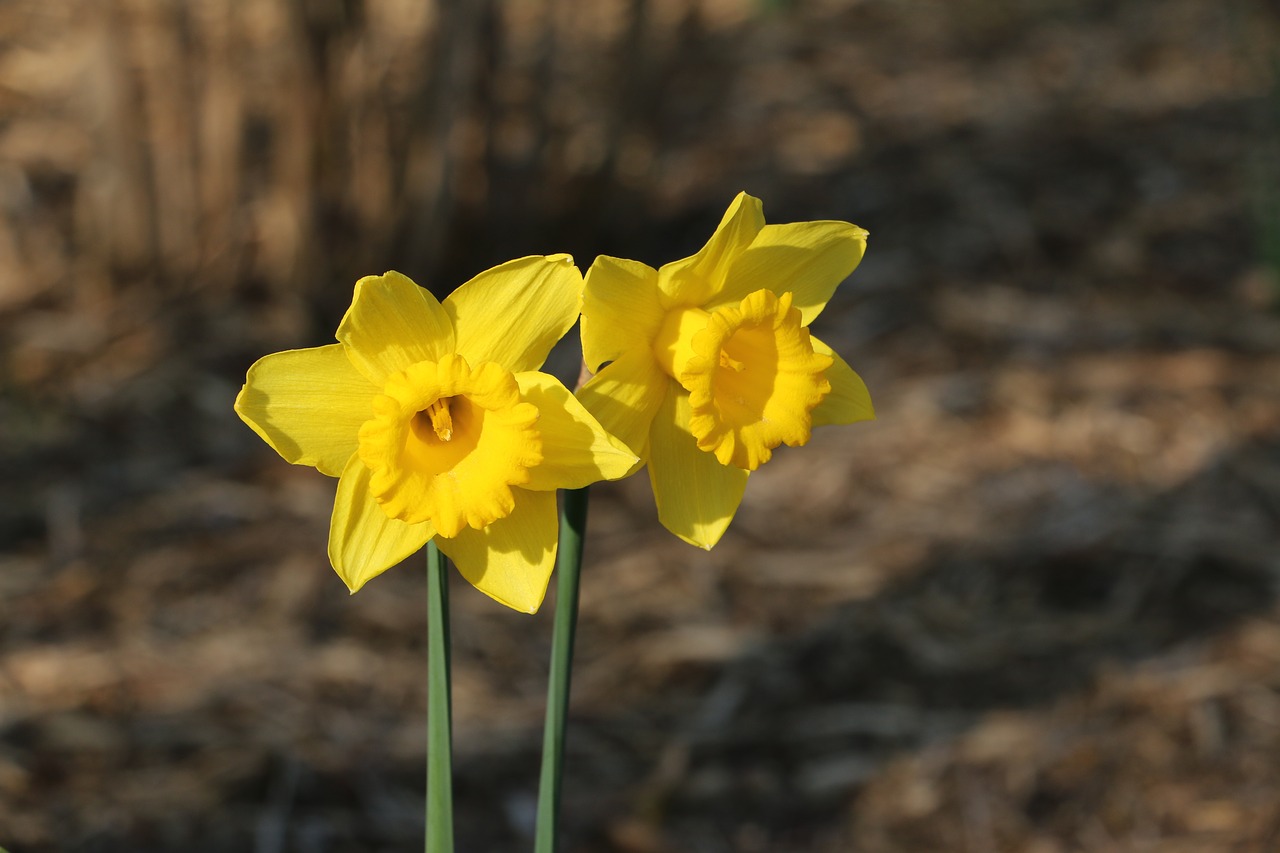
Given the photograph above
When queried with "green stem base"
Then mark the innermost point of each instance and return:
(573, 528)
(439, 835)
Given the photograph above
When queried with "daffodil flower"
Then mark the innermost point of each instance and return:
(437, 424)
(710, 363)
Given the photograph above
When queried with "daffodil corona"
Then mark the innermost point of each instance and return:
(709, 363)
(437, 424)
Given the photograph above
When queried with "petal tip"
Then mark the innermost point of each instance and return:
(352, 586)
(697, 542)
(706, 543)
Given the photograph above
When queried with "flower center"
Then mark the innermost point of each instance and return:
(752, 375)
(446, 443)
(438, 414)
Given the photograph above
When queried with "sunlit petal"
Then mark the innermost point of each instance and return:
(514, 313)
(307, 404)
(625, 396)
(849, 400)
(391, 324)
(621, 309)
(576, 451)
(363, 541)
(696, 279)
(808, 259)
(696, 495)
(510, 560)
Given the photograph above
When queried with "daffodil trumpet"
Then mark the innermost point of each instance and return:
(705, 366)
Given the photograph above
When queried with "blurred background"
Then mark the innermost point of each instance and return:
(1032, 608)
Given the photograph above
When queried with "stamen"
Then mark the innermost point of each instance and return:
(731, 363)
(441, 421)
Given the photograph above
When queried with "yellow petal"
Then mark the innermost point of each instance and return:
(576, 451)
(307, 404)
(696, 279)
(626, 395)
(696, 495)
(621, 309)
(510, 560)
(391, 324)
(363, 541)
(808, 259)
(514, 313)
(849, 400)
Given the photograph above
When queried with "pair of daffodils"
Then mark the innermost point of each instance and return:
(438, 424)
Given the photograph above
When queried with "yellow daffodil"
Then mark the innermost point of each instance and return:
(436, 422)
(710, 364)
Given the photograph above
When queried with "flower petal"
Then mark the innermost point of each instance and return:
(621, 309)
(696, 279)
(626, 395)
(308, 404)
(391, 324)
(808, 259)
(849, 400)
(576, 451)
(363, 541)
(514, 313)
(510, 560)
(696, 495)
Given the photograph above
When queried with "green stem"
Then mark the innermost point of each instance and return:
(439, 715)
(573, 528)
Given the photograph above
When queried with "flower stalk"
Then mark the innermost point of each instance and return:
(439, 834)
(573, 528)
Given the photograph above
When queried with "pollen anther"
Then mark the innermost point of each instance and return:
(441, 422)
(730, 363)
